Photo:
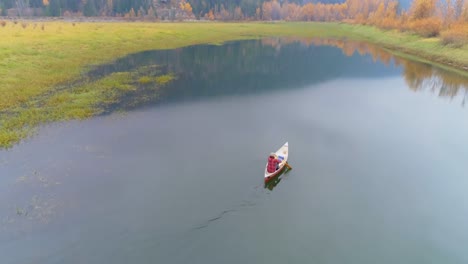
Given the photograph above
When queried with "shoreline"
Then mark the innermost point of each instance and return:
(373, 38)
(414, 47)
(37, 56)
(373, 35)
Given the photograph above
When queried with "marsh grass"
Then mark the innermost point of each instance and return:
(35, 61)
(78, 102)
(164, 79)
(145, 80)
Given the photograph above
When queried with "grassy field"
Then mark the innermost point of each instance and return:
(38, 59)
(416, 47)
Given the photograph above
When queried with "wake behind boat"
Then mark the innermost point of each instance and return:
(282, 154)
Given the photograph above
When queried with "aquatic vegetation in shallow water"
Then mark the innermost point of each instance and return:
(164, 79)
(116, 91)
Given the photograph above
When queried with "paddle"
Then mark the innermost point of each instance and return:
(287, 165)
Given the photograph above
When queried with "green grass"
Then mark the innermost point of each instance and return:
(414, 46)
(36, 61)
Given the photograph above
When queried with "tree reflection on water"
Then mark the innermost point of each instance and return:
(419, 76)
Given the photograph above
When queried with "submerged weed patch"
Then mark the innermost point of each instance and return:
(118, 90)
(164, 79)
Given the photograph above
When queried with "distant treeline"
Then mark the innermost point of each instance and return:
(428, 18)
(74, 7)
(199, 8)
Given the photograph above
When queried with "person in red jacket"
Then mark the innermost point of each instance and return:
(273, 163)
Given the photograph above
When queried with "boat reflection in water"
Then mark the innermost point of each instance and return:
(271, 184)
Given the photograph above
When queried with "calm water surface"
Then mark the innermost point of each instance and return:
(378, 147)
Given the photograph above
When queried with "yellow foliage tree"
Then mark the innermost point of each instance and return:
(319, 12)
(457, 34)
(390, 18)
(186, 7)
(307, 12)
(354, 8)
(342, 11)
(294, 12)
(377, 16)
(427, 27)
(392, 10)
(210, 15)
(421, 9)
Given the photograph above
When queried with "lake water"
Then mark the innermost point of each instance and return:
(378, 146)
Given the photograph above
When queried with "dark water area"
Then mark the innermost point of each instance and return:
(378, 146)
(240, 68)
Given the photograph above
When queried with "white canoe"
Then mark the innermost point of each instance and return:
(282, 153)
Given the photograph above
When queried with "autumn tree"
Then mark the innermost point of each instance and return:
(421, 9)
(151, 13)
(392, 10)
(447, 12)
(109, 7)
(186, 8)
(275, 10)
(376, 17)
(319, 12)
(423, 19)
(390, 18)
(426, 17)
(223, 14)
(294, 12)
(354, 8)
(403, 21)
(284, 10)
(464, 13)
(210, 15)
(307, 12)
(131, 14)
(238, 15)
(267, 9)
(342, 10)
(258, 13)
(459, 5)
(456, 31)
